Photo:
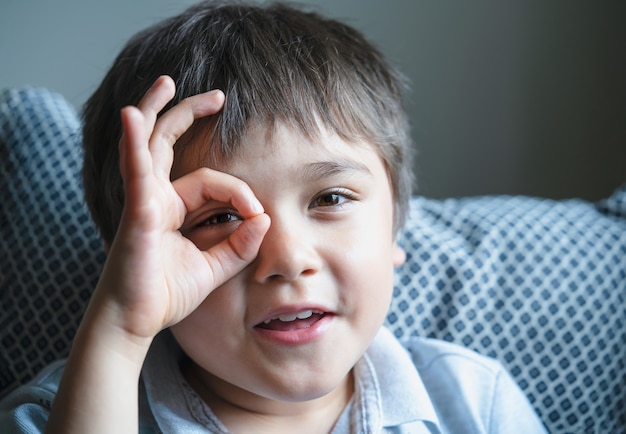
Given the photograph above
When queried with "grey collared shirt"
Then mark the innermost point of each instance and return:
(416, 386)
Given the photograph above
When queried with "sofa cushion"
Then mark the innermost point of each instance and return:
(50, 253)
(538, 284)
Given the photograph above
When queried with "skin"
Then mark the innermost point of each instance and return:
(222, 252)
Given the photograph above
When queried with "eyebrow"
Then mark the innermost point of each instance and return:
(323, 169)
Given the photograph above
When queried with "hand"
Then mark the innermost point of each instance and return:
(154, 276)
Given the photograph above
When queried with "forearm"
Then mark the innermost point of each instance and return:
(99, 390)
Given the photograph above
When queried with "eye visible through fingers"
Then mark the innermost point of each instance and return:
(220, 218)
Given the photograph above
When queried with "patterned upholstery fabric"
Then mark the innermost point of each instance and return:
(50, 255)
(538, 284)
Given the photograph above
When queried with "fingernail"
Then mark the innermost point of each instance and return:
(257, 207)
(215, 92)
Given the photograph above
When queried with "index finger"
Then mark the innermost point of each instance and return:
(204, 184)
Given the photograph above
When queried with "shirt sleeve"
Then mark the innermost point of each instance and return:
(26, 409)
(511, 412)
(472, 393)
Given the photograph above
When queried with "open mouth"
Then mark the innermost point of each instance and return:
(292, 321)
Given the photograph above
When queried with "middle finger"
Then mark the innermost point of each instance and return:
(175, 122)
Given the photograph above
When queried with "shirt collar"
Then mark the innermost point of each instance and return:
(389, 391)
(389, 387)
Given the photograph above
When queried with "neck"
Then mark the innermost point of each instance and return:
(245, 412)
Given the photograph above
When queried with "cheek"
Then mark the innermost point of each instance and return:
(366, 274)
(378, 259)
(219, 316)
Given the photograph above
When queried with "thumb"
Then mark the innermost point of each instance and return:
(237, 251)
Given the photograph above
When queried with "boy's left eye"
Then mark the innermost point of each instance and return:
(331, 199)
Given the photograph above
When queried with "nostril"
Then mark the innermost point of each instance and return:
(283, 255)
(286, 275)
(274, 277)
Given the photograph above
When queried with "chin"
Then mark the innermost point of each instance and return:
(307, 386)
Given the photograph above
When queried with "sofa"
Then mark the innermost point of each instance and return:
(538, 284)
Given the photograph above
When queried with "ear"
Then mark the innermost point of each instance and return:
(398, 255)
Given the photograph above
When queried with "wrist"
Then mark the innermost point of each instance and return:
(103, 329)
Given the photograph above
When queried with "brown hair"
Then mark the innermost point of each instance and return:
(274, 63)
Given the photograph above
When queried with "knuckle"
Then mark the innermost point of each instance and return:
(166, 135)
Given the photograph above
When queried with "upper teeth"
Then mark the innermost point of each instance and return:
(292, 316)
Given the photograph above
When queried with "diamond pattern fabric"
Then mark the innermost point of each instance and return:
(50, 255)
(538, 284)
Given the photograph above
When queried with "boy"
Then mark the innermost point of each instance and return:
(250, 238)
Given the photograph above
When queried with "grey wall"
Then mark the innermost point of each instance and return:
(508, 97)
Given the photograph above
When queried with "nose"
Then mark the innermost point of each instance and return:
(288, 251)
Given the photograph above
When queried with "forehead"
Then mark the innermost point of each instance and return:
(322, 151)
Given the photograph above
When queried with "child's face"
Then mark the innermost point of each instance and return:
(327, 258)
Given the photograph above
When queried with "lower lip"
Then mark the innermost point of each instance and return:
(300, 336)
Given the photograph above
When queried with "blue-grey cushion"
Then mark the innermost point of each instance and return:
(538, 284)
(50, 253)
